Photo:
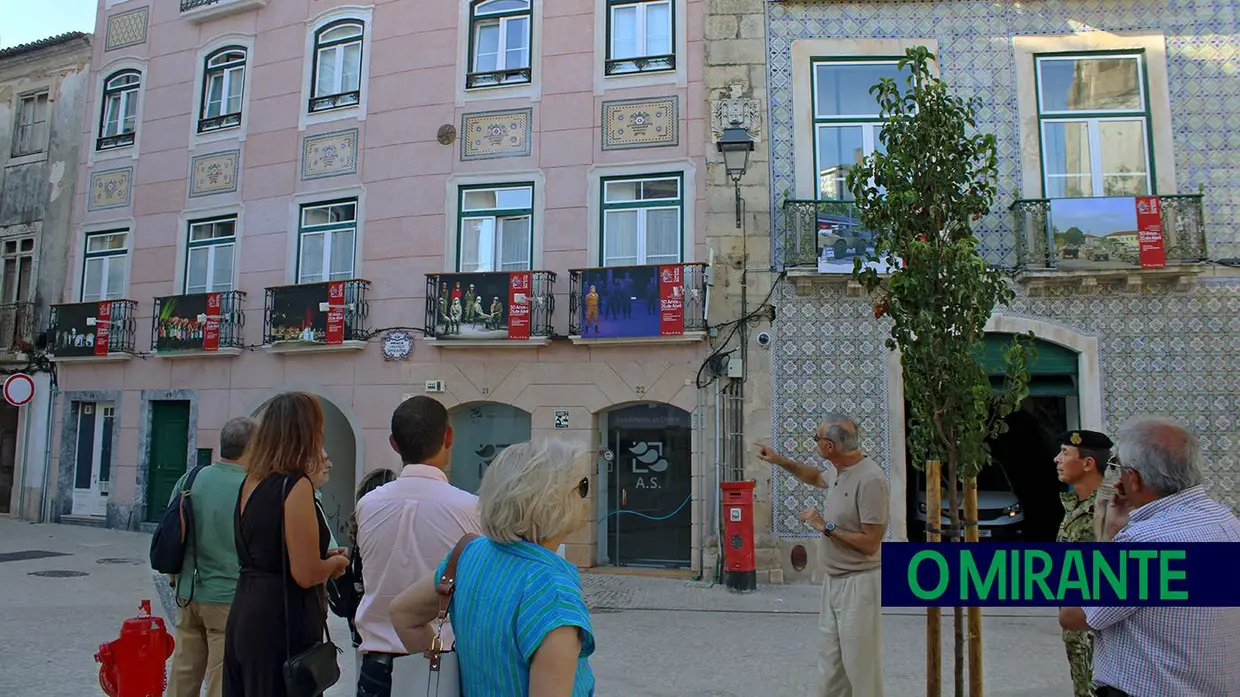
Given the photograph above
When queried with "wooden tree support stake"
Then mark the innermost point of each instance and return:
(974, 622)
(934, 615)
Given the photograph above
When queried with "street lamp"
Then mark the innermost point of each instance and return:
(735, 145)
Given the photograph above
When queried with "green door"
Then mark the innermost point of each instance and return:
(169, 454)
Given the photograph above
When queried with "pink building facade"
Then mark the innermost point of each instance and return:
(498, 203)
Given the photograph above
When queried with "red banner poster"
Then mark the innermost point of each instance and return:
(335, 313)
(519, 305)
(671, 300)
(1150, 233)
(211, 328)
(103, 328)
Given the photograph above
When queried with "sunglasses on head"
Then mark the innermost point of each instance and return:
(583, 487)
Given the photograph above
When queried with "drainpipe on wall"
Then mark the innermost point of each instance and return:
(45, 500)
(715, 491)
(21, 481)
(702, 524)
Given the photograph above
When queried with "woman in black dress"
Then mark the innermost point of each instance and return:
(285, 450)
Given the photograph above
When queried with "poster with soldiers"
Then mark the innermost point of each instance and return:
(632, 301)
(75, 328)
(482, 306)
(297, 313)
(188, 322)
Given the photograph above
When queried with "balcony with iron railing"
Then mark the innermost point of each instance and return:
(1089, 239)
(308, 317)
(92, 331)
(496, 78)
(638, 304)
(202, 10)
(17, 329)
(504, 309)
(198, 324)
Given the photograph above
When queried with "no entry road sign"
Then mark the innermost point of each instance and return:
(18, 389)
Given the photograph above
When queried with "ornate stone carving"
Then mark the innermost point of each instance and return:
(735, 110)
(446, 134)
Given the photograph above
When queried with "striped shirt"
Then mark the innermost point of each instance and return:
(508, 598)
(1165, 651)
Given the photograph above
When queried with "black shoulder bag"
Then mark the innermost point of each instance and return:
(311, 672)
(175, 532)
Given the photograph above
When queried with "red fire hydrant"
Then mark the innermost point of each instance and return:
(133, 665)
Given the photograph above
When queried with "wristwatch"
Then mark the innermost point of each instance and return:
(830, 528)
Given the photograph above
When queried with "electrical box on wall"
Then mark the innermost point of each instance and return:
(736, 368)
(434, 385)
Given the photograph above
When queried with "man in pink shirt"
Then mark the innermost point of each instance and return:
(404, 529)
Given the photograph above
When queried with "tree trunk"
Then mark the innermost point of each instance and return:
(934, 615)
(953, 501)
(971, 534)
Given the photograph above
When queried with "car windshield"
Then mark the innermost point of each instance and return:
(992, 478)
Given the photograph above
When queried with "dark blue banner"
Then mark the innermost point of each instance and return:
(1060, 574)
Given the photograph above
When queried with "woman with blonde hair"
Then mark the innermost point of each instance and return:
(521, 623)
(282, 544)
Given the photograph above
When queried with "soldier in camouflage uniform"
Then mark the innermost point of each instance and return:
(1083, 455)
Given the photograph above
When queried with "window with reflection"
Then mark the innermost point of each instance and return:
(846, 120)
(500, 41)
(336, 77)
(327, 239)
(118, 117)
(103, 265)
(639, 36)
(495, 229)
(642, 220)
(1093, 116)
(209, 255)
(223, 86)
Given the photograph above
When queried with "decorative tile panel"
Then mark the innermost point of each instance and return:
(329, 154)
(641, 123)
(110, 189)
(217, 173)
(493, 134)
(127, 29)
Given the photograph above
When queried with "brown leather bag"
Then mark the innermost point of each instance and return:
(441, 668)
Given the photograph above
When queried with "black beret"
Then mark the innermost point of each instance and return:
(1091, 440)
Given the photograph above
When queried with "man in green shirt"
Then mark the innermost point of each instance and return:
(205, 589)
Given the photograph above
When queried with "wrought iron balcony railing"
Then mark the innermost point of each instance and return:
(120, 140)
(331, 312)
(499, 306)
(513, 76)
(198, 10)
(645, 64)
(335, 101)
(17, 322)
(823, 235)
(198, 322)
(92, 328)
(218, 123)
(654, 300)
(1109, 233)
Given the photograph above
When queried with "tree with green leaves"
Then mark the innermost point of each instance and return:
(921, 195)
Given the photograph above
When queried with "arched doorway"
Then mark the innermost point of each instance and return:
(482, 431)
(338, 495)
(646, 486)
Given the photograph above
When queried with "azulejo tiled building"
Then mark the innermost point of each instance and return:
(1096, 107)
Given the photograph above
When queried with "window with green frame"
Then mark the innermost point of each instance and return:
(639, 36)
(846, 118)
(642, 220)
(209, 255)
(495, 228)
(500, 33)
(103, 265)
(326, 240)
(1093, 121)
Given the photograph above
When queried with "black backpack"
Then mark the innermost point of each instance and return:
(174, 532)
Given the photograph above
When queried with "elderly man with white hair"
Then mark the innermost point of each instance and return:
(1161, 651)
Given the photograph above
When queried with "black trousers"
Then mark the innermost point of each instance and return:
(1108, 691)
(374, 677)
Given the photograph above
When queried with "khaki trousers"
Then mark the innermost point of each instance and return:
(850, 622)
(199, 651)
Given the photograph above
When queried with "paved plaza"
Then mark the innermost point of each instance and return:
(656, 637)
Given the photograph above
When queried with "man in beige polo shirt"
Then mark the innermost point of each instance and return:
(853, 522)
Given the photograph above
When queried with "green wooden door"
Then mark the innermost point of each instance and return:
(169, 454)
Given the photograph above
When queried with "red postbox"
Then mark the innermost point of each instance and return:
(741, 573)
(133, 665)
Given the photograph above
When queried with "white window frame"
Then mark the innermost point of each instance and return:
(31, 138)
(228, 72)
(325, 229)
(358, 14)
(213, 245)
(1093, 120)
(870, 124)
(17, 255)
(502, 18)
(120, 97)
(334, 99)
(642, 38)
(643, 207)
(100, 294)
(496, 216)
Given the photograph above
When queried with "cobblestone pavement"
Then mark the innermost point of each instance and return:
(656, 637)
